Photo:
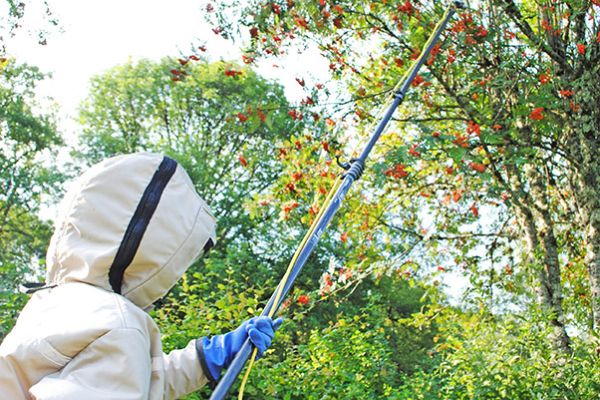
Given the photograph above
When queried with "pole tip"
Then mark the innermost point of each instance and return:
(459, 4)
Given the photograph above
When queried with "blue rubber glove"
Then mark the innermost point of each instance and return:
(217, 352)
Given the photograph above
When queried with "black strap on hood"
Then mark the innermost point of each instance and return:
(139, 222)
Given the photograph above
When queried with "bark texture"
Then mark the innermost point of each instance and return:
(542, 248)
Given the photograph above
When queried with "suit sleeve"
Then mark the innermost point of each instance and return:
(115, 366)
(183, 372)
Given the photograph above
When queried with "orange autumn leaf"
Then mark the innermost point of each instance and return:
(474, 210)
(344, 237)
(536, 114)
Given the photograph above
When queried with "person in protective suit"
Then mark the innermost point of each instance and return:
(127, 230)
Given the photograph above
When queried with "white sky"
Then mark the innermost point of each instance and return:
(97, 35)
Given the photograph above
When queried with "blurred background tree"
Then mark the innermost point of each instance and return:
(28, 140)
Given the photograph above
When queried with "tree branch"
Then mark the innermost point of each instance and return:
(515, 14)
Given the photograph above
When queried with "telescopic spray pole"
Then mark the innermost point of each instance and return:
(354, 171)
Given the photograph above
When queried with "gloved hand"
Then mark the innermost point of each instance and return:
(217, 352)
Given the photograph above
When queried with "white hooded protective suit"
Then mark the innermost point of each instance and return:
(127, 231)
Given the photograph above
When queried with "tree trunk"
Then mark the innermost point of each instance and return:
(582, 140)
(587, 195)
(550, 280)
(534, 216)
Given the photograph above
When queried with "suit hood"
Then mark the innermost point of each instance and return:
(132, 224)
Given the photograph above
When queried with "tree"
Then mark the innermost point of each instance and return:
(253, 157)
(492, 95)
(220, 121)
(28, 141)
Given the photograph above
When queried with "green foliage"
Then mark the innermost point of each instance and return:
(486, 357)
(213, 300)
(362, 346)
(221, 128)
(350, 345)
(479, 163)
(28, 139)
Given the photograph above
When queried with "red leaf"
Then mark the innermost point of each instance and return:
(574, 107)
(474, 210)
(566, 93)
(456, 196)
(451, 56)
(296, 176)
(242, 160)
(261, 115)
(461, 140)
(301, 22)
(242, 117)
(307, 101)
(290, 206)
(413, 151)
(473, 128)
(406, 8)
(478, 167)
(536, 114)
(415, 54)
(581, 48)
(344, 237)
(396, 172)
(546, 25)
(303, 300)
(296, 115)
(418, 80)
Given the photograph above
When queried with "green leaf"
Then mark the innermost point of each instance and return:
(457, 154)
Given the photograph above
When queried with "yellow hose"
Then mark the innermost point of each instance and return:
(285, 278)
